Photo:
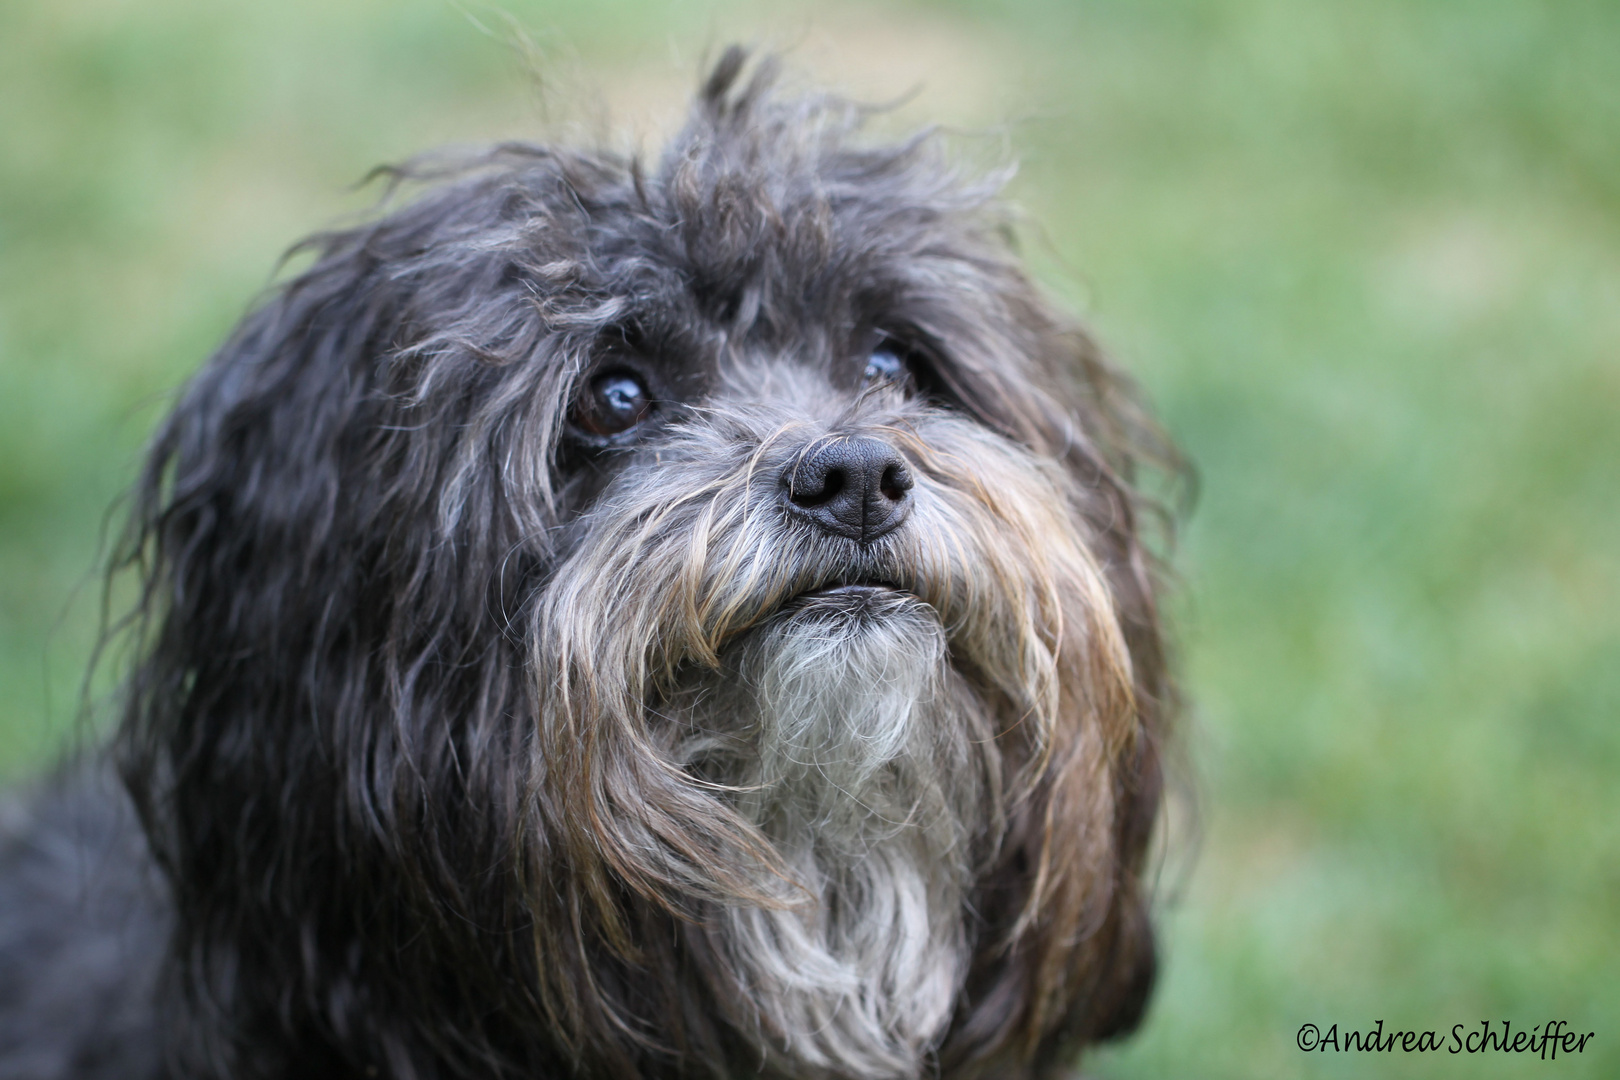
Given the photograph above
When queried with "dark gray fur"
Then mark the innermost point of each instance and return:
(402, 808)
(83, 924)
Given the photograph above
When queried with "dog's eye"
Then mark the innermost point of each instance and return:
(886, 364)
(616, 401)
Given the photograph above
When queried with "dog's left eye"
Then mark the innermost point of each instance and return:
(616, 401)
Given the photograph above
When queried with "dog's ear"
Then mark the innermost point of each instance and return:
(1082, 968)
(334, 532)
(249, 490)
(242, 533)
(1097, 425)
(367, 461)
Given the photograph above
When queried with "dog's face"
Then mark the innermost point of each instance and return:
(678, 621)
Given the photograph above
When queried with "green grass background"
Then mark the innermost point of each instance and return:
(1365, 256)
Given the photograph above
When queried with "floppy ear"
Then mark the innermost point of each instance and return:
(1111, 447)
(329, 724)
(1080, 967)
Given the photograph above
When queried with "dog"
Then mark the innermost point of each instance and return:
(612, 620)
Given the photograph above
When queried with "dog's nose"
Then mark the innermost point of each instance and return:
(855, 487)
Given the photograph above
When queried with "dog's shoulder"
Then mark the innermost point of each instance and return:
(83, 927)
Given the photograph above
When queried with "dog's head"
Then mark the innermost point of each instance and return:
(685, 619)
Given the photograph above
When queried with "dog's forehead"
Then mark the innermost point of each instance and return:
(803, 382)
(755, 241)
(746, 244)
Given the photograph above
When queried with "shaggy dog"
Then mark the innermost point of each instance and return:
(610, 621)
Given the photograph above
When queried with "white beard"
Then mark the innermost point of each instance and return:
(864, 762)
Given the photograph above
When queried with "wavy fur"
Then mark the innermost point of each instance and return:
(467, 745)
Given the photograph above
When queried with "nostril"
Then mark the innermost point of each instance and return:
(833, 481)
(896, 481)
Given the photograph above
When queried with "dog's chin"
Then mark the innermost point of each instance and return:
(847, 647)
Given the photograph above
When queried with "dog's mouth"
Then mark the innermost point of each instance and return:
(853, 590)
(864, 597)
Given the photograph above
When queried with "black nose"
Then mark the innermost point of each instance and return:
(854, 487)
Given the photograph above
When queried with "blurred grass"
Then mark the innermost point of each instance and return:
(1365, 257)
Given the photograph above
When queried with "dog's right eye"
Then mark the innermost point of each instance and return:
(615, 401)
(886, 364)
(893, 361)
